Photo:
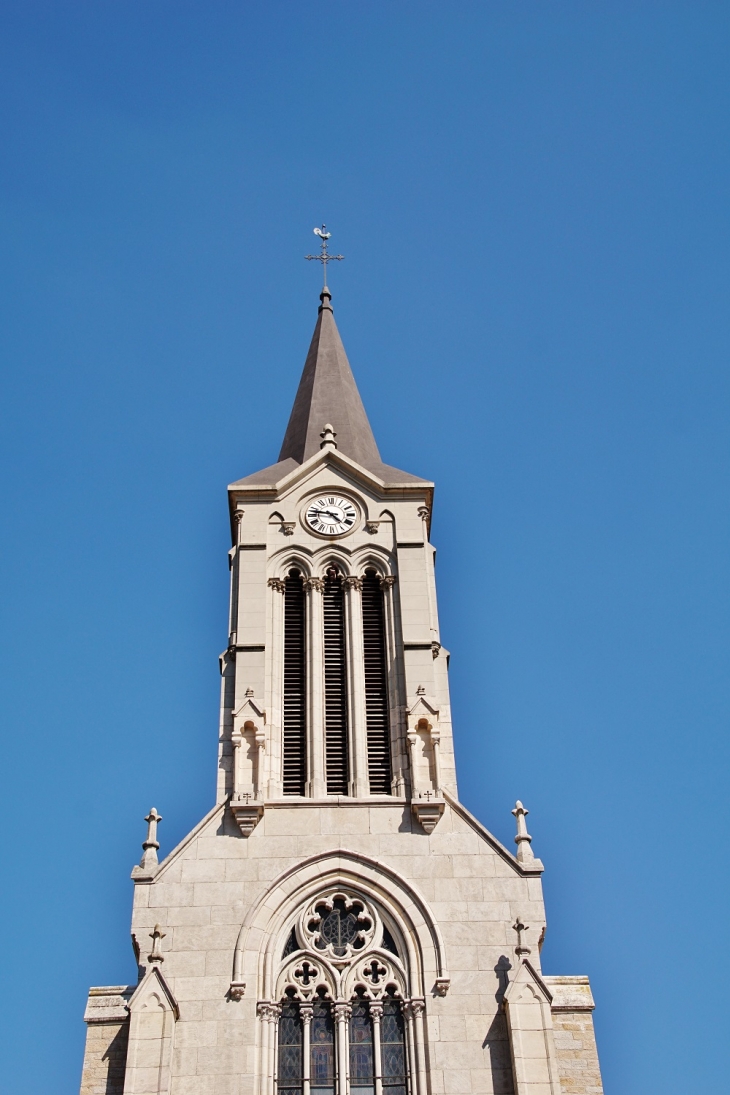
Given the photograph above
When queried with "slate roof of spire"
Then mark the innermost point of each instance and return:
(327, 393)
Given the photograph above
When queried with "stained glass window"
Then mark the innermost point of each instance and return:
(339, 928)
(291, 944)
(392, 1041)
(290, 1050)
(322, 1069)
(361, 1049)
(389, 943)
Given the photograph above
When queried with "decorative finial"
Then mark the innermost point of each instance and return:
(151, 844)
(328, 436)
(519, 927)
(523, 838)
(156, 935)
(324, 256)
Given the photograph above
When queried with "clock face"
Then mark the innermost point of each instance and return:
(331, 515)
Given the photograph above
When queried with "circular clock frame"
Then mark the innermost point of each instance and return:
(330, 515)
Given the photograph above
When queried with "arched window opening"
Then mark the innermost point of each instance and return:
(335, 685)
(393, 1048)
(376, 686)
(322, 1052)
(346, 1020)
(362, 1060)
(291, 1041)
(295, 685)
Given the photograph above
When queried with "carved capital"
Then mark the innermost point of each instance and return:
(376, 1009)
(351, 582)
(313, 584)
(417, 1007)
(424, 513)
(372, 526)
(441, 985)
(388, 581)
(238, 516)
(287, 527)
(237, 990)
(342, 1013)
(276, 583)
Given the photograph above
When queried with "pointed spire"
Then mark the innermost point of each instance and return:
(328, 399)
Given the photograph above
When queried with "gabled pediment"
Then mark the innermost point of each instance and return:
(527, 986)
(287, 474)
(153, 990)
(251, 709)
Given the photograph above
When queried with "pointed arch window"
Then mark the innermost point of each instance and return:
(376, 685)
(344, 1018)
(335, 686)
(295, 685)
(290, 1070)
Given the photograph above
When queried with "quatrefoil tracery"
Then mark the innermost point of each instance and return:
(336, 947)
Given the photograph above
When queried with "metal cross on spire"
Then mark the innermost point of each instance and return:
(324, 256)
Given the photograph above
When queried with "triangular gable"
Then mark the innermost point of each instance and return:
(153, 982)
(527, 975)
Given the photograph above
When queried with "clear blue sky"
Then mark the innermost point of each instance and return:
(533, 200)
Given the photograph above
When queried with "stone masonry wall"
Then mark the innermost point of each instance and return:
(105, 1058)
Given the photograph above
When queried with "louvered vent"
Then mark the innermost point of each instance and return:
(335, 686)
(295, 686)
(376, 685)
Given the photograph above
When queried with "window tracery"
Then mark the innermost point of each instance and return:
(343, 1004)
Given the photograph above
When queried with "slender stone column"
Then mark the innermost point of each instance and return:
(418, 1007)
(262, 1010)
(317, 779)
(424, 514)
(305, 1010)
(410, 1049)
(342, 1016)
(275, 1013)
(435, 744)
(396, 684)
(412, 739)
(376, 1012)
(359, 781)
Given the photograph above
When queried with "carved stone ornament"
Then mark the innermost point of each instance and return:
(276, 583)
(287, 527)
(313, 584)
(338, 951)
(246, 812)
(424, 513)
(351, 582)
(338, 926)
(237, 990)
(428, 810)
(388, 581)
(372, 527)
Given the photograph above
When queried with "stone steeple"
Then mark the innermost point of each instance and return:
(328, 393)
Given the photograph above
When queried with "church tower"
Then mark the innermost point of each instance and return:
(338, 923)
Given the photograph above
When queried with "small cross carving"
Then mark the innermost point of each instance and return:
(374, 972)
(305, 973)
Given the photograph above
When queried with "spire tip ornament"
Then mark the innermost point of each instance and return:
(324, 257)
